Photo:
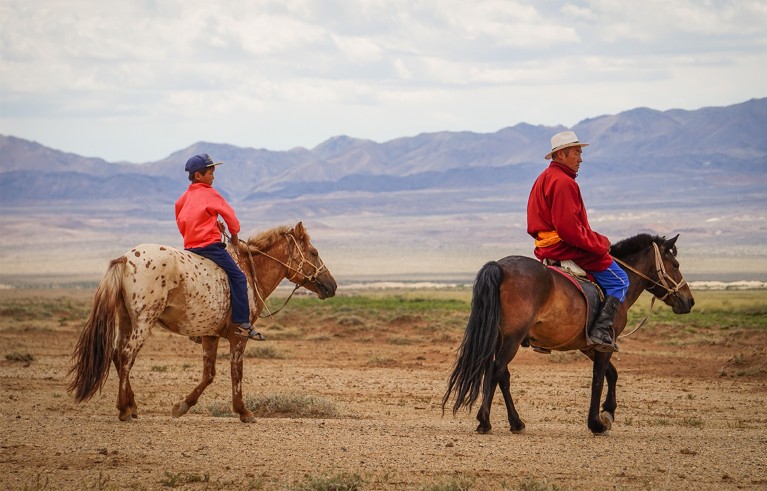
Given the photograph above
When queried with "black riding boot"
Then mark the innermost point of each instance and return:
(601, 333)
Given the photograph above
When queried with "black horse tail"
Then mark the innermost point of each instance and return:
(96, 346)
(474, 365)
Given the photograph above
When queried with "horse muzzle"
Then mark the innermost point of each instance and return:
(326, 287)
(682, 305)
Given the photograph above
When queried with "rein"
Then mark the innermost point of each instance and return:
(663, 282)
(255, 282)
(295, 271)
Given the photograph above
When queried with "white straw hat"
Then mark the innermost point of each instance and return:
(564, 140)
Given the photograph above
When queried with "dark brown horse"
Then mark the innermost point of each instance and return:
(154, 286)
(518, 300)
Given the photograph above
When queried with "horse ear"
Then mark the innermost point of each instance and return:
(300, 230)
(670, 242)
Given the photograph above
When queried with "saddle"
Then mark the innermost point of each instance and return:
(585, 284)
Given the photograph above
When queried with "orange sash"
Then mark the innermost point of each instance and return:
(546, 239)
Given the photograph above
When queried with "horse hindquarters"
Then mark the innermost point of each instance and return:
(95, 348)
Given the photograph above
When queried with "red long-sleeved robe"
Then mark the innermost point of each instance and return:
(555, 204)
(197, 211)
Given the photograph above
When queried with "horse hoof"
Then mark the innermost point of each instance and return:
(180, 409)
(483, 430)
(606, 419)
(125, 416)
(519, 432)
(603, 433)
(248, 418)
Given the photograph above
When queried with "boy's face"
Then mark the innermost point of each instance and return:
(205, 176)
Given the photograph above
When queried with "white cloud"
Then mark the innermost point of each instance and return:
(306, 70)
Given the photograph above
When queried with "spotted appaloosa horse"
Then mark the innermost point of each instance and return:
(159, 286)
(518, 301)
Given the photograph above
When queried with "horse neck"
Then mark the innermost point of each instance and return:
(270, 271)
(637, 284)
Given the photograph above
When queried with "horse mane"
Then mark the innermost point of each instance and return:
(634, 245)
(266, 239)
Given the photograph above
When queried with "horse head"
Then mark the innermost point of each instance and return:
(671, 287)
(310, 272)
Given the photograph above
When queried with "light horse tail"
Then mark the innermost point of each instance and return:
(95, 349)
(474, 364)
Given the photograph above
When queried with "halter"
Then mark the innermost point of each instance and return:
(663, 282)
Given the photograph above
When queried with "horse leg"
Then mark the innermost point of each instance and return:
(510, 348)
(483, 415)
(126, 404)
(209, 349)
(125, 329)
(607, 416)
(595, 423)
(237, 350)
(516, 424)
(501, 376)
(131, 400)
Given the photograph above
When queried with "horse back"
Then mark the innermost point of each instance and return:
(543, 304)
(184, 292)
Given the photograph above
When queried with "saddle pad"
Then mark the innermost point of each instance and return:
(592, 293)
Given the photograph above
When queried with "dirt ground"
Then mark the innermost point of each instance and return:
(691, 415)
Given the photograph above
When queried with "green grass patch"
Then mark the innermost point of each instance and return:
(60, 309)
(719, 309)
(392, 305)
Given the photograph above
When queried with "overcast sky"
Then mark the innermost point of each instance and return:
(135, 80)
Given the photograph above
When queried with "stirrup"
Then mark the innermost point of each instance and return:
(249, 332)
(601, 346)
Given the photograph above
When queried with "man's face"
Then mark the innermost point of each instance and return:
(571, 158)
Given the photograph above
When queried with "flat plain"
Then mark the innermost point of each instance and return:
(348, 393)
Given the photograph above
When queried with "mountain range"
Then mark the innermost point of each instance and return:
(706, 164)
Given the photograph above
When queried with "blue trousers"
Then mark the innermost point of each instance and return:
(238, 284)
(613, 280)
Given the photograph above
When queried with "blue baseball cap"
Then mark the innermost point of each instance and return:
(200, 162)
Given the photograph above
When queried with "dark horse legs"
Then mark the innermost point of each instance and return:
(603, 368)
(502, 377)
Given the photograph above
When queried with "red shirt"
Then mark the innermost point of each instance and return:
(555, 204)
(197, 211)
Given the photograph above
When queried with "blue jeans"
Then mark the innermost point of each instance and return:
(238, 284)
(613, 280)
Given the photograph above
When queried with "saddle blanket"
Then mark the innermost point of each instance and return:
(591, 292)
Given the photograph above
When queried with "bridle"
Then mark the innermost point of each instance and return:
(664, 281)
(298, 270)
(663, 277)
(295, 271)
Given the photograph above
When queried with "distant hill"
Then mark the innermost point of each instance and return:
(681, 145)
(701, 172)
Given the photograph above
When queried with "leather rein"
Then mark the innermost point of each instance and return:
(295, 271)
(664, 281)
